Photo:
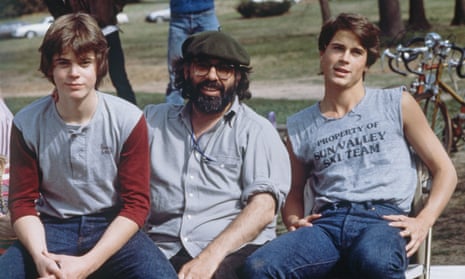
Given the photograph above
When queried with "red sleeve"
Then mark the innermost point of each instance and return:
(24, 178)
(134, 175)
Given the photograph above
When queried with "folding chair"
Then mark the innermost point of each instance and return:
(420, 263)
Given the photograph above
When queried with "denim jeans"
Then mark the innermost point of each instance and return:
(138, 258)
(229, 267)
(181, 27)
(352, 240)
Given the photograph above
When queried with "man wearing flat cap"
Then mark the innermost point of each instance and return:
(219, 171)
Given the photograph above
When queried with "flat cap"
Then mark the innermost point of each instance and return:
(215, 44)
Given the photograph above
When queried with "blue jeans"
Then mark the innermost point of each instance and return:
(352, 240)
(138, 258)
(181, 27)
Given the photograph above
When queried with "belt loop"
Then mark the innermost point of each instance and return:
(369, 205)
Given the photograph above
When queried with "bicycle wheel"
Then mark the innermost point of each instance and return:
(438, 117)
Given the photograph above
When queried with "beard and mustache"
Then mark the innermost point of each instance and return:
(210, 104)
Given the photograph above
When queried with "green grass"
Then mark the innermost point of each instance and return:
(282, 108)
(282, 47)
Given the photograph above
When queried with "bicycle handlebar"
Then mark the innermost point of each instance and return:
(458, 64)
(392, 57)
(411, 54)
(433, 46)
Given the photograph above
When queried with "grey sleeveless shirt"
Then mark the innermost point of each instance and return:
(360, 157)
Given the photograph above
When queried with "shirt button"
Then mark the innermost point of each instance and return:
(191, 195)
(189, 216)
(192, 177)
(186, 239)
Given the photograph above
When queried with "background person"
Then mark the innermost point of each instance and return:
(6, 231)
(354, 148)
(219, 171)
(187, 18)
(80, 170)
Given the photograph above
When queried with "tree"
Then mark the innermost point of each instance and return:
(390, 20)
(325, 10)
(417, 17)
(459, 13)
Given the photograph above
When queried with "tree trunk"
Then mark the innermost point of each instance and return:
(417, 17)
(325, 10)
(390, 20)
(459, 13)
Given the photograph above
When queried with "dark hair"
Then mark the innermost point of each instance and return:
(367, 32)
(79, 32)
(242, 90)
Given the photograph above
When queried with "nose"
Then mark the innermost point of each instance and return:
(212, 74)
(74, 70)
(345, 55)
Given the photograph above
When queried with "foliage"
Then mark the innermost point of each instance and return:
(12, 8)
(261, 9)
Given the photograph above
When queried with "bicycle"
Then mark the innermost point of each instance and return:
(430, 59)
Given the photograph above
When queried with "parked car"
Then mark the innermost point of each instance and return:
(159, 16)
(6, 29)
(33, 29)
(122, 18)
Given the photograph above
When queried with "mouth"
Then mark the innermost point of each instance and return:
(341, 72)
(74, 86)
(211, 88)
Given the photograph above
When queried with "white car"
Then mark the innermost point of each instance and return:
(34, 29)
(159, 16)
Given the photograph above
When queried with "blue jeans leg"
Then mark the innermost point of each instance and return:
(138, 258)
(181, 27)
(16, 263)
(304, 253)
(377, 250)
(354, 241)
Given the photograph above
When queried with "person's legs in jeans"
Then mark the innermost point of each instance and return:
(378, 251)
(230, 266)
(179, 30)
(181, 27)
(117, 69)
(17, 263)
(305, 253)
(61, 238)
(139, 258)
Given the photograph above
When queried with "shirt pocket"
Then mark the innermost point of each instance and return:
(223, 172)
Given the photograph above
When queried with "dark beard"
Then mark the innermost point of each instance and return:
(211, 104)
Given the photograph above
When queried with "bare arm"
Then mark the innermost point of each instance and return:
(258, 213)
(35, 244)
(293, 210)
(429, 148)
